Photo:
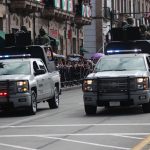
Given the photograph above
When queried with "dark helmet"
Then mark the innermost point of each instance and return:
(23, 28)
(143, 28)
(130, 20)
(42, 32)
(123, 23)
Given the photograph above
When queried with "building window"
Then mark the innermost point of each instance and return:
(74, 45)
(1, 23)
(14, 30)
(29, 24)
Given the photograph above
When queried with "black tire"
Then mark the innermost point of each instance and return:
(146, 108)
(54, 102)
(90, 110)
(32, 109)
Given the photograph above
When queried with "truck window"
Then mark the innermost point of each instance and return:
(148, 62)
(41, 65)
(49, 53)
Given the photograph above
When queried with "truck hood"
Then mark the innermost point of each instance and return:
(134, 73)
(15, 77)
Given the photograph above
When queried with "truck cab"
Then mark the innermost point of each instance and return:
(21, 44)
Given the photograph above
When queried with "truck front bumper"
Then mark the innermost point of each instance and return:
(17, 100)
(118, 99)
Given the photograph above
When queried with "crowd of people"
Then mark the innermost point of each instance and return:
(143, 29)
(73, 72)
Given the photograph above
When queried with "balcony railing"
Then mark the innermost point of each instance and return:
(83, 15)
(59, 10)
(27, 6)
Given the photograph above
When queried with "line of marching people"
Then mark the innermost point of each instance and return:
(73, 72)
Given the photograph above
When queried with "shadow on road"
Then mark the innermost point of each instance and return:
(18, 113)
(120, 111)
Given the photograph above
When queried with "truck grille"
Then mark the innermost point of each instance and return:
(8, 86)
(110, 85)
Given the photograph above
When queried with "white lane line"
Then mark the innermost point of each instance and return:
(15, 146)
(86, 143)
(12, 125)
(131, 137)
(84, 134)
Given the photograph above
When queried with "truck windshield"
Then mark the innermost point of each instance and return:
(9, 68)
(120, 64)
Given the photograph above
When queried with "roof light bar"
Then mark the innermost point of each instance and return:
(15, 56)
(123, 51)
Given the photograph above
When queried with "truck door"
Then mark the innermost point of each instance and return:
(48, 84)
(39, 80)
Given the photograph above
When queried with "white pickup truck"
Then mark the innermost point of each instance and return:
(25, 82)
(118, 80)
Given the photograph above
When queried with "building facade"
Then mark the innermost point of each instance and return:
(110, 13)
(63, 20)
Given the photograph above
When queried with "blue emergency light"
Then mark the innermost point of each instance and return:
(15, 56)
(123, 51)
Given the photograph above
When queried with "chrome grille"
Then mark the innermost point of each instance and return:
(10, 86)
(115, 84)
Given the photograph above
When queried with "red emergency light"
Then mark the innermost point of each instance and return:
(3, 93)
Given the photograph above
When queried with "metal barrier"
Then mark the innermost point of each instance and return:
(73, 75)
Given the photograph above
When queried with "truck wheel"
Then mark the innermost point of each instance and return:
(146, 108)
(54, 102)
(90, 110)
(32, 109)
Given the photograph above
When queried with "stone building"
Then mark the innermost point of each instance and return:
(63, 20)
(110, 13)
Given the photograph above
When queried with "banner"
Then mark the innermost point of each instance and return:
(83, 11)
(88, 11)
(70, 5)
(64, 4)
(57, 3)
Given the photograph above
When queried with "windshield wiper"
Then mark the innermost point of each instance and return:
(120, 70)
(114, 70)
(106, 70)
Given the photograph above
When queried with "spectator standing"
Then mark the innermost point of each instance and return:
(129, 22)
(43, 38)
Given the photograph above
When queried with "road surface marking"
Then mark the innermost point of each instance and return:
(131, 137)
(15, 146)
(143, 143)
(13, 125)
(86, 143)
(56, 136)
(76, 134)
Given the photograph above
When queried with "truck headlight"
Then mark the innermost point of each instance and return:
(22, 86)
(142, 83)
(88, 85)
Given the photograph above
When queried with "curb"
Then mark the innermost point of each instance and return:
(71, 87)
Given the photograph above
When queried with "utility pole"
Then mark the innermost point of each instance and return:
(34, 27)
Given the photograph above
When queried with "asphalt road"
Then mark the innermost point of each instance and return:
(68, 128)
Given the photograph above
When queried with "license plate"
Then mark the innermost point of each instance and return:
(114, 103)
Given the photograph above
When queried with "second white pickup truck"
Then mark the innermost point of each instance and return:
(25, 82)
